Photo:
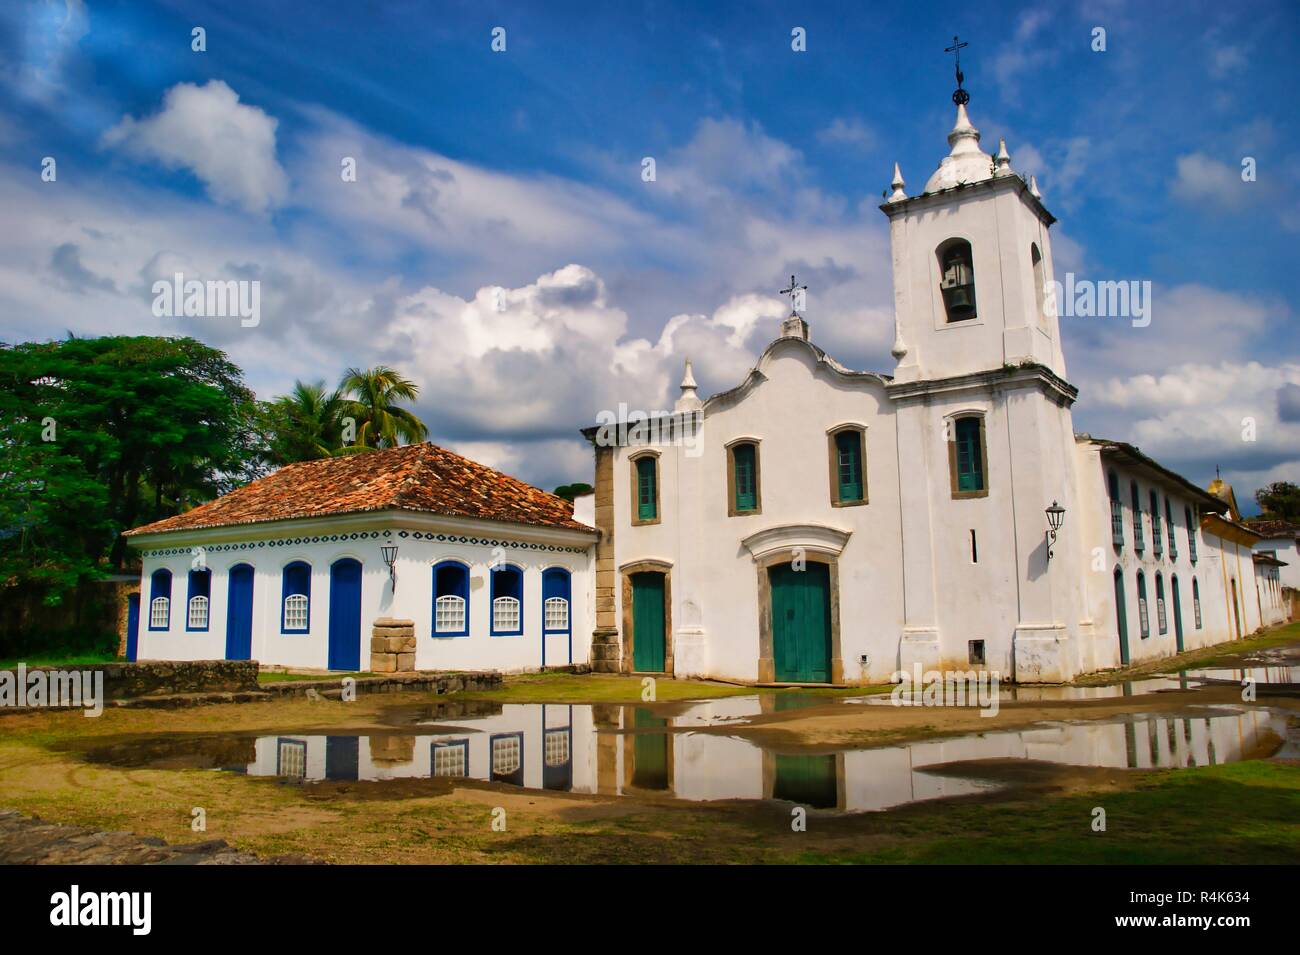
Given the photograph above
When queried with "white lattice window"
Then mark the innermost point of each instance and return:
(557, 613)
(1160, 614)
(1142, 616)
(557, 747)
(159, 612)
(449, 759)
(505, 755)
(198, 616)
(505, 614)
(1196, 605)
(295, 612)
(292, 759)
(449, 614)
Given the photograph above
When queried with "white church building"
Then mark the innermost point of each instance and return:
(817, 524)
(812, 525)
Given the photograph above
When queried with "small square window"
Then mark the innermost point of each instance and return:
(976, 652)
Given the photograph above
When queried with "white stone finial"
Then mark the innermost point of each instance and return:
(1033, 188)
(965, 162)
(897, 185)
(689, 400)
(1002, 161)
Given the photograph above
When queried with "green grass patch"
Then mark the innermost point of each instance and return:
(59, 660)
(1247, 812)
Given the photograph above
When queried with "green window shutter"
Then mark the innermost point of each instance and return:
(970, 462)
(848, 465)
(744, 463)
(647, 494)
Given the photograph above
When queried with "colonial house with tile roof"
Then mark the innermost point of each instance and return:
(298, 568)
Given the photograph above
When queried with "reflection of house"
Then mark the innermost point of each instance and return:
(293, 569)
(630, 751)
(818, 524)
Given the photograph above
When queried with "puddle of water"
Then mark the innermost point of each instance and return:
(1032, 693)
(628, 750)
(1272, 675)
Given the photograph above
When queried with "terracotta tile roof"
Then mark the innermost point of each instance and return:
(417, 477)
(1274, 528)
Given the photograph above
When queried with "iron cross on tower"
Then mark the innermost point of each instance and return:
(796, 296)
(959, 96)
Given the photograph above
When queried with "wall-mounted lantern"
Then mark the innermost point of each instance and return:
(1055, 518)
(390, 561)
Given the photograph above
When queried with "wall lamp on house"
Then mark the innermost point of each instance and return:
(390, 561)
(1055, 518)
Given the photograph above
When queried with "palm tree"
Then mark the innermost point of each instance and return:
(306, 423)
(370, 396)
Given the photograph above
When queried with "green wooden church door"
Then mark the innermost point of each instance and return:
(648, 622)
(801, 623)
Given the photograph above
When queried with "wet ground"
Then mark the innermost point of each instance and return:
(716, 750)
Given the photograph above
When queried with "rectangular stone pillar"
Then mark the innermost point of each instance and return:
(392, 646)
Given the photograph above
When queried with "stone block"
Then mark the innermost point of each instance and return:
(405, 662)
(383, 662)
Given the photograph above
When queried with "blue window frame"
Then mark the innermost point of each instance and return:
(160, 600)
(506, 756)
(507, 602)
(295, 598)
(449, 758)
(450, 599)
(198, 601)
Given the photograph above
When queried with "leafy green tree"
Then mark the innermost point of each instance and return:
(305, 424)
(371, 398)
(1280, 501)
(571, 491)
(159, 424)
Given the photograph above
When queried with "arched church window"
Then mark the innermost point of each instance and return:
(1040, 281)
(968, 457)
(743, 487)
(957, 279)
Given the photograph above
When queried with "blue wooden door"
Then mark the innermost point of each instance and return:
(1121, 617)
(345, 615)
(132, 626)
(239, 613)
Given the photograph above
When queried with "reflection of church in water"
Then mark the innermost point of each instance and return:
(682, 751)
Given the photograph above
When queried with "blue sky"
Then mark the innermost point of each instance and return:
(521, 171)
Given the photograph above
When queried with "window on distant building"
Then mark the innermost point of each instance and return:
(1157, 539)
(450, 599)
(295, 589)
(1161, 620)
(1191, 534)
(1139, 544)
(196, 605)
(645, 488)
(1169, 525)
(968, 458)
(160, 600)
(507, 601)
(1116, 510)
(1040, 281)
(848, 466)
(957, 280)
(743, 478)
(1196, 602)
(1144, 620)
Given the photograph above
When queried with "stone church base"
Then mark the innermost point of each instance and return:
(1042, 655)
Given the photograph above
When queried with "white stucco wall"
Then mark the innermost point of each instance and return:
(422, 540)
